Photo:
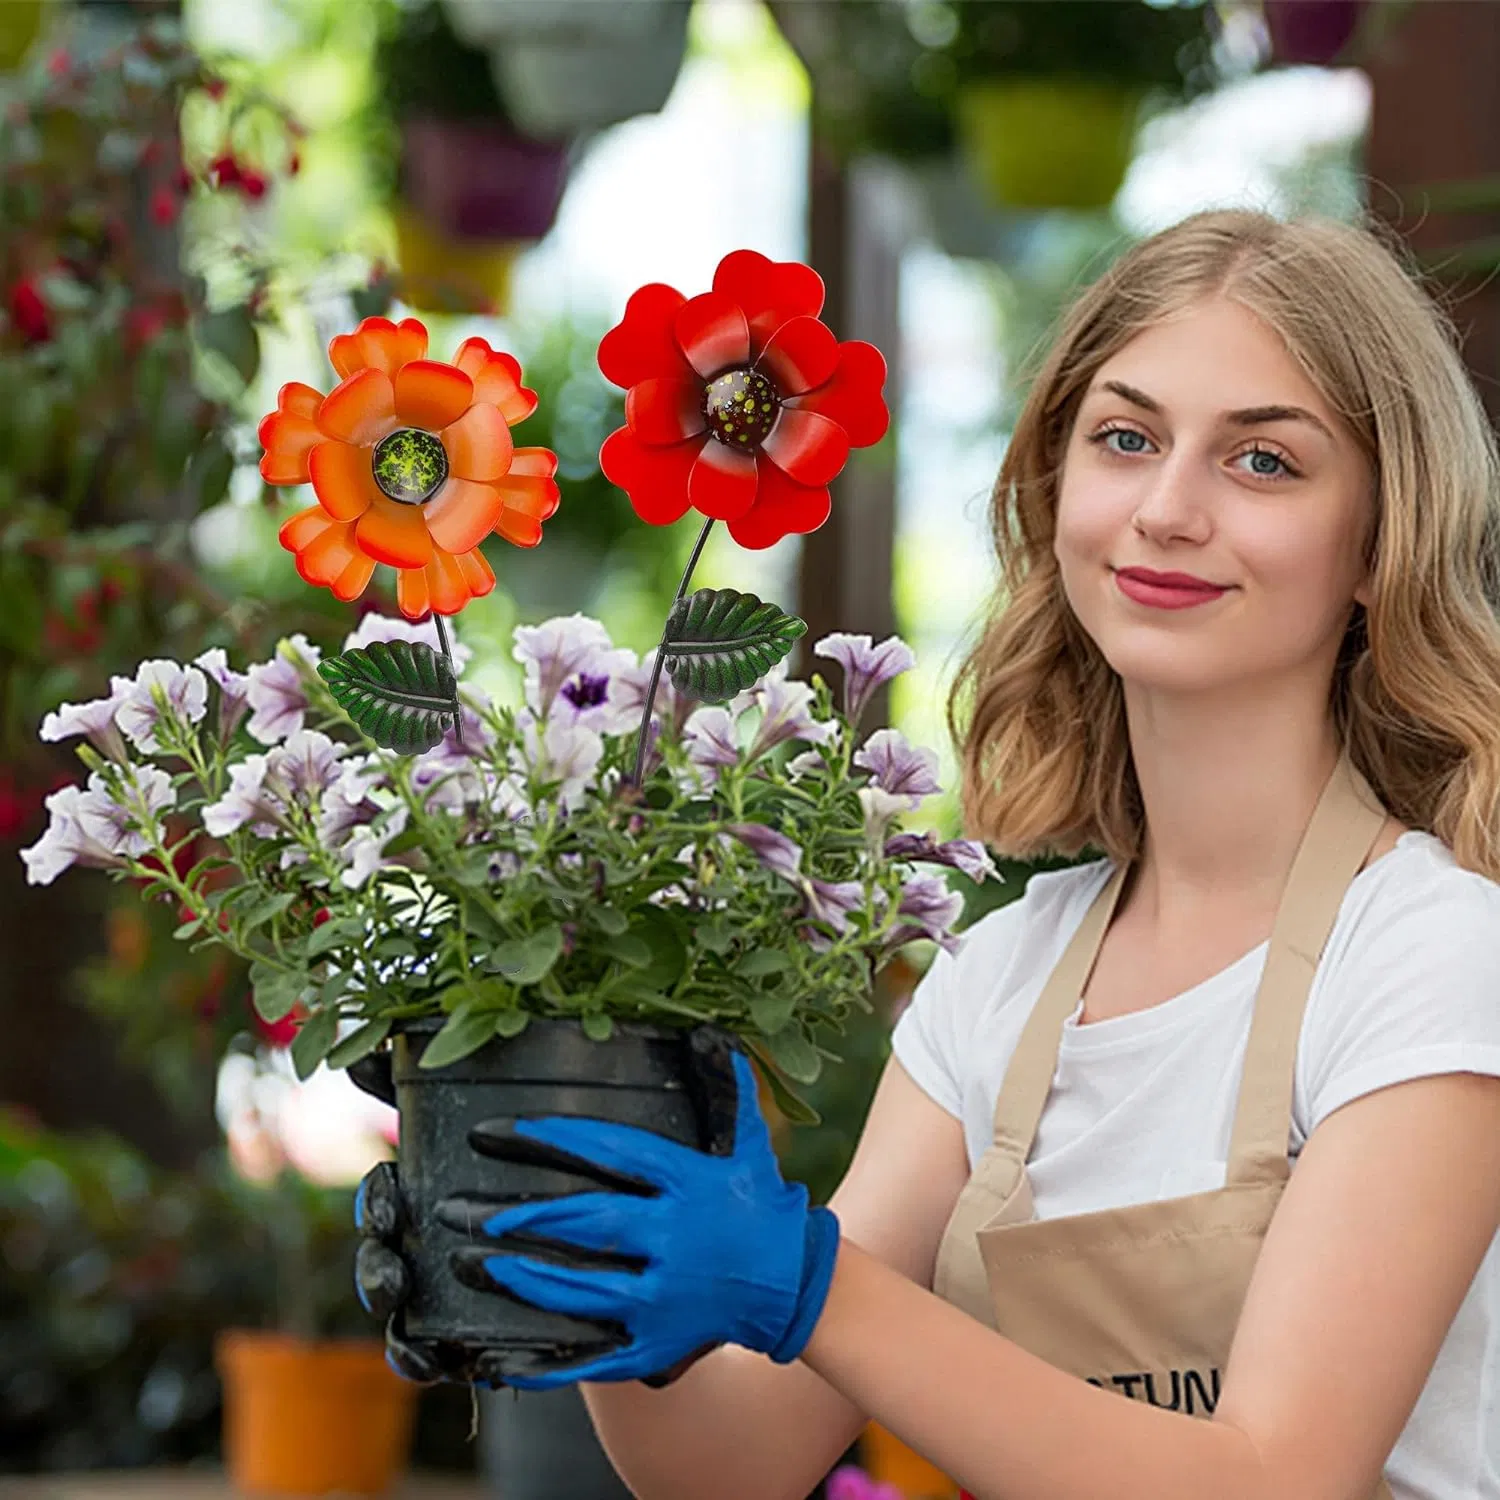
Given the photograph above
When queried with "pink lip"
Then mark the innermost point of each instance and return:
(1148, 588)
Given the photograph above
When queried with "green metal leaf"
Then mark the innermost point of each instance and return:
(719, 642)
(399, 692)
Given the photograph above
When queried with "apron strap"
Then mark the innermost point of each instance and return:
(1343, 828)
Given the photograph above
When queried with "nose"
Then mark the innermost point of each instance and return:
(1171, 501)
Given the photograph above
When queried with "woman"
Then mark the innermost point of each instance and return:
(1074, 1180)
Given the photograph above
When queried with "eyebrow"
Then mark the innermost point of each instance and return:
(1248, 416)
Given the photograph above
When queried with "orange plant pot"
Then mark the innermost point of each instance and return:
(312, 1418)
(888, 1460)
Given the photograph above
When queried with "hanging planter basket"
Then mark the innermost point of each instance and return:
(442, 274)
(312, 1418)
(1044, 143)
(1312, 31)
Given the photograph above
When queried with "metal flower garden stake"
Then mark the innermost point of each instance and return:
(740, 404)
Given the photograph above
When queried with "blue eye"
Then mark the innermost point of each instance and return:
(1138, 441)
(1267, 465)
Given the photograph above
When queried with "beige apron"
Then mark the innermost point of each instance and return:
(1144, 1299)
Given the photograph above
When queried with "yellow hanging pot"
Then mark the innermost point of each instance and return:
(442, 274)
(1038, 143)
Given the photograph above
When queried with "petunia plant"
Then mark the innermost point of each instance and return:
(690, 837)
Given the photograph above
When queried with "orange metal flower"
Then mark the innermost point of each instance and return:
(413, 465)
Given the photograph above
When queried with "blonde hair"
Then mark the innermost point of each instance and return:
(1045, 757)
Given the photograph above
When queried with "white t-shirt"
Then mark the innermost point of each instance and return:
(1142, 1105)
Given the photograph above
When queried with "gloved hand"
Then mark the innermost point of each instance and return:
(722, 1085)
(722, 1249)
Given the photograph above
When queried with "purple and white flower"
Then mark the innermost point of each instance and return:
(91, 827)
(66, 843)
(246, 803)
(553, 652)
(598, 696)
(95, 720)
(364, 851)
(669, 708)
(929, 908)
(967, 855)
(711, 743)
(277, 693)
(880, 807)
(898, 766)
(774, 850)
(161, 688)
(784, 713)
(831, 901)
(562, 752)
(867, 667)
(233, 689)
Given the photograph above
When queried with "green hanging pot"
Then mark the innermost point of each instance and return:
(1038, 143)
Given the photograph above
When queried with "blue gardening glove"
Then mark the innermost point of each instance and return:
(697, 1249)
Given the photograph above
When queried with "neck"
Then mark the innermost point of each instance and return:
(1228, 793)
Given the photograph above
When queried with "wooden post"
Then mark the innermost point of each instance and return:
(1435, 118)
(844, 573)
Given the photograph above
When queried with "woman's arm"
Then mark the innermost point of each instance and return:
(1392, 1206)
(744, 1428)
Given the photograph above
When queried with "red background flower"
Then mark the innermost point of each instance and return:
(739, 403)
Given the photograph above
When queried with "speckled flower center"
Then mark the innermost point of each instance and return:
(410, 465)
(740, 407)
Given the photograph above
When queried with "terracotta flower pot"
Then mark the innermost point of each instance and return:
(1037, 143)
(888, 1460)
(312, 1418)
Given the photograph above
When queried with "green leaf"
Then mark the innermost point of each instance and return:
(209, 472)
(183, 933)
(597, 1026)
(795, 1055)
(399, 692)
(465, 1031)
(314, 1037)
(275, 991)
(791, 1104)
(668, 952)
(339, 932)
(771, 1012)
(608, 919)
(526, 960)
(361, 1042)
(266, 908)
(511, 1023)
(759, 962)
(719, 642)
(714, 934)
(231, 335)
(629, 949)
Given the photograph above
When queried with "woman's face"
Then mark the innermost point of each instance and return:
(1202, 448)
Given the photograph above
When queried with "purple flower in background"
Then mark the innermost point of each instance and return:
(898, 766)
(967, 855)
(234, 688)
(306, 765)
(364, 850)
(94, 719)
(562, 752)
(851, 1483)
(774, 850)
(598, 697)
(348, 802)
(160, 686)
(277, 693)
(866, 666)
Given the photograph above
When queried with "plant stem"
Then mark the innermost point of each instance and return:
(661, 651)
(458, 718)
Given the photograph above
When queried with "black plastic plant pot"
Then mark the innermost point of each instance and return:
(641, 1075)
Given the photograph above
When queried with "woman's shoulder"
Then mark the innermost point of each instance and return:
(1420, 886)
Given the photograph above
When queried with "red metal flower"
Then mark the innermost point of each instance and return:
(740, 404)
